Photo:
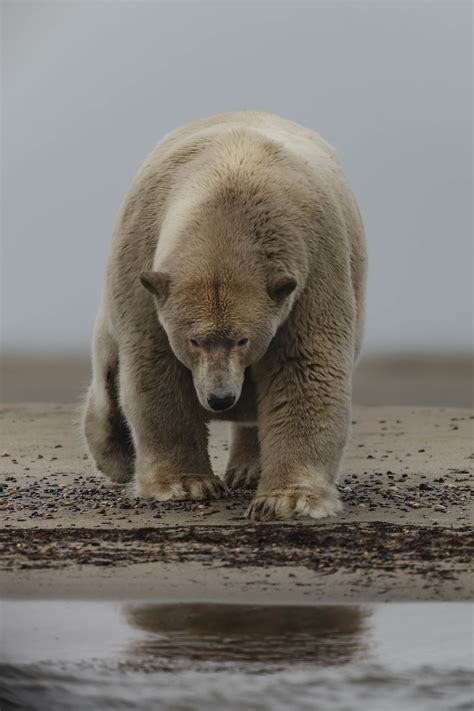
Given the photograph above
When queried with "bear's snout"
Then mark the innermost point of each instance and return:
(219, 403)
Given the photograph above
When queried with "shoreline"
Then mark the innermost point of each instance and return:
(405, 532)
(376, 562)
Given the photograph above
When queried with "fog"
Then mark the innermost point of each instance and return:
(90, 87)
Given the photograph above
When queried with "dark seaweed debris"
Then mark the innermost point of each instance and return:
(373, 546)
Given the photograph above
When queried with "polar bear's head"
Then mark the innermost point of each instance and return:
(218, 324)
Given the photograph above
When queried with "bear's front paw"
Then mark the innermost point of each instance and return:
(184, 486)
(243, 476)
(294, 503)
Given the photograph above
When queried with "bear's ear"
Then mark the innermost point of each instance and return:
(157, 283)
(281, 286)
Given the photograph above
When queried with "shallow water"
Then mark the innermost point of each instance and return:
(76, 655)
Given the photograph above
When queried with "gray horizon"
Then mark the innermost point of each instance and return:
(89, 88)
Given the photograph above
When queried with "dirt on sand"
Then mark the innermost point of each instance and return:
(405, 532)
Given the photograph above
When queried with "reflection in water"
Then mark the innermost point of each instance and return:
(327, 634)
(99, 656)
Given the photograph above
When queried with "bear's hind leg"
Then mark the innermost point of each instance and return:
(243, 467)
(106, 431)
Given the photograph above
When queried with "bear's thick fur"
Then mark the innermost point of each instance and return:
(234, 290)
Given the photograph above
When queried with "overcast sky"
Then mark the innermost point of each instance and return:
(90, 87)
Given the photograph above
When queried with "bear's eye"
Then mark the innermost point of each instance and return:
(194, 343)
(242, 342)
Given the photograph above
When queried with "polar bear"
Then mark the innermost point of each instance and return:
(234, 291)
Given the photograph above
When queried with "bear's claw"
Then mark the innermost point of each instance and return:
(294, 505)
(245, 477)
(187, 486)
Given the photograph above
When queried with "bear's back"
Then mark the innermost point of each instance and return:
(296, 139)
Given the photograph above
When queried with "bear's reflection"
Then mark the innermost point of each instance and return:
(325, 634)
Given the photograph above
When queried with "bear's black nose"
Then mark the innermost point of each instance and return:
(218, 403)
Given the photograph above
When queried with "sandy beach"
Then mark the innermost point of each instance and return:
(405, 532)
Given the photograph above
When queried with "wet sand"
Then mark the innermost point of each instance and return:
(405, 533)
(417, 379)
